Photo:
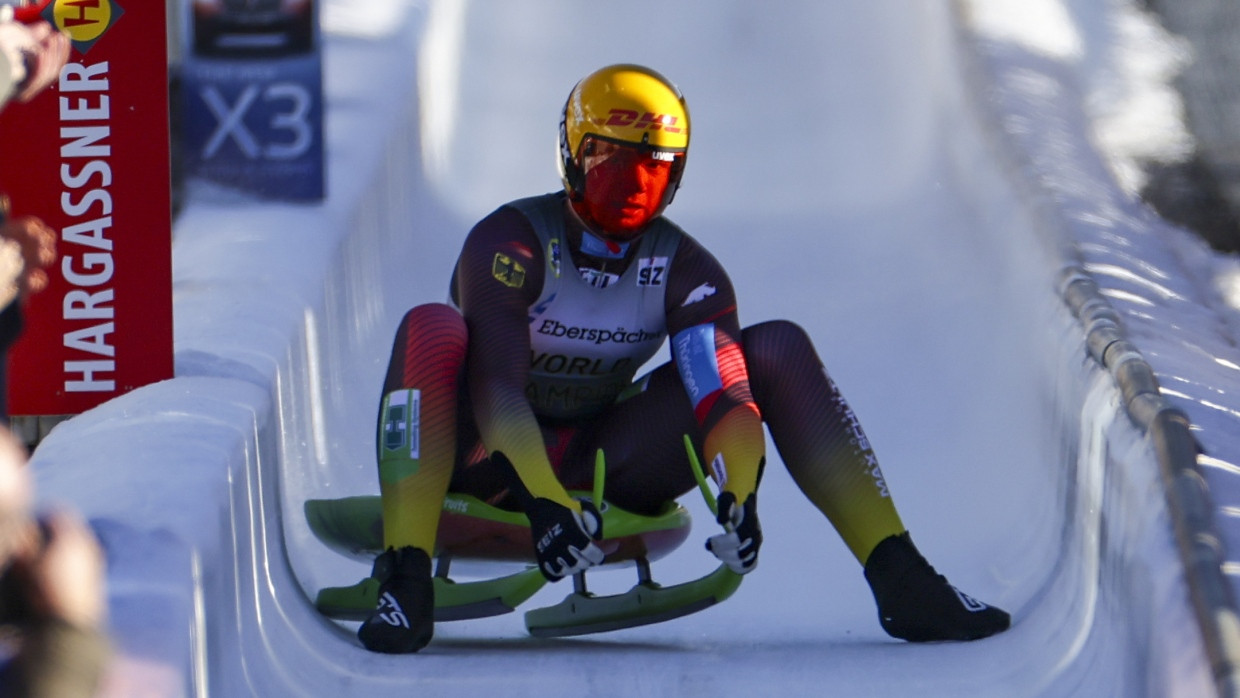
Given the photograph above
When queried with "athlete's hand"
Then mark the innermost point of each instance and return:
(564, 539)
(738, 546)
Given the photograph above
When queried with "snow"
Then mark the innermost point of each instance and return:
(865, 169)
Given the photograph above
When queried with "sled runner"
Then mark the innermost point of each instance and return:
(471, 529)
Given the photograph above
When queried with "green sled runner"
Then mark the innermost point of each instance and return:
(471, 529)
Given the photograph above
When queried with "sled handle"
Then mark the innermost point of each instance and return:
(700, 476)
(600, 472)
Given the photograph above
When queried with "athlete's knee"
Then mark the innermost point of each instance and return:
(435, 323)
(429, 348)
(771, 346)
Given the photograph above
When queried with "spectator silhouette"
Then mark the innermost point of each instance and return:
(52, 600)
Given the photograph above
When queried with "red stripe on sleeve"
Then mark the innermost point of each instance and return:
(703, 407)
(731, 364)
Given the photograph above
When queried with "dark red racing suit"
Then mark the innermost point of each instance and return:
(539, 363)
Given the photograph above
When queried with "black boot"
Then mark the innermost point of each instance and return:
(917, 604)
(404, 619)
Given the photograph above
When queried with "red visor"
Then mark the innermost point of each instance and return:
(626, 186)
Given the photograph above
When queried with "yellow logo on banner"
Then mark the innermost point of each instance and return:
(85, 21)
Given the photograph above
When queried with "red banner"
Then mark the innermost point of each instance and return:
(90, 156)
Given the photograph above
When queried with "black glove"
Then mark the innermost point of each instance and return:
(738, 547)
(564, 539)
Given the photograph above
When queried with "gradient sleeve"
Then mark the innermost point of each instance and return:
(707, 349)
(499, 275)
(712, 368)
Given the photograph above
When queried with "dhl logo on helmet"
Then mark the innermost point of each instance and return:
(85, 21)
(646, 122)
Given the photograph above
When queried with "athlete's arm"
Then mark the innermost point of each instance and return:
(499, 275)
(706, 346)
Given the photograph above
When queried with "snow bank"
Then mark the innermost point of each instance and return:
(1147, 276)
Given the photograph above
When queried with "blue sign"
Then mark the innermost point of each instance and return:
(252, 91)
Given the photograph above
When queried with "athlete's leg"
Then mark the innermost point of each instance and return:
(642, 438)
(418, 424)
(815, 431)
(416, 451)
(829, 457)
(818, 436)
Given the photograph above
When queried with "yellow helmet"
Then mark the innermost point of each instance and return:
(624, 104)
